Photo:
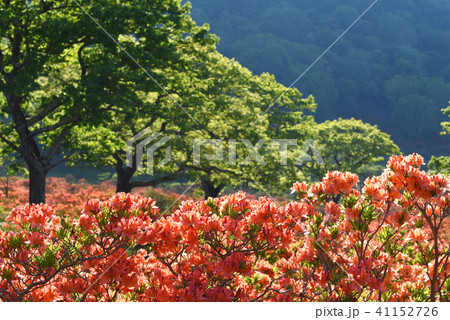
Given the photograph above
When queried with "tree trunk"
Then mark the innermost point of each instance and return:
(5, 183)
(38, 162)
(124, 176)
(38, 165)
(37, 186)
(209, 189)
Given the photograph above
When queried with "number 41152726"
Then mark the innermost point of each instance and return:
(407, 311)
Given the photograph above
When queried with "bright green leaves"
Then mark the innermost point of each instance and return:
(369, 213)
(104, 218)
(351, 145)
(360, 226)
(350, 201)
(440, 165)
(16, 241)
(7, 273)
(446, 124)
(75, 85)
(47, 259)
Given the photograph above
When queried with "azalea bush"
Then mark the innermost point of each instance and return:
(69, 195)
(166, 200)
(384, 243)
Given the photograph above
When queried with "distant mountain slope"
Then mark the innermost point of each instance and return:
(392, 68)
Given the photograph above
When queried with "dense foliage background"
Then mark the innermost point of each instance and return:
(392, 68)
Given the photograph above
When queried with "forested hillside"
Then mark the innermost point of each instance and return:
(391, 69)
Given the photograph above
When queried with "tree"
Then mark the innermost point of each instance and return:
(59, 69)
(10, 165)
(243, 116)
(226, 101)
(114, 149)
(350, 145)
(168, 114)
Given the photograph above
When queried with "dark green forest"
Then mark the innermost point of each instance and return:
(392, 68)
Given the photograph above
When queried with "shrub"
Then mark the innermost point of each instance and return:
(383, 243)
(167, 201)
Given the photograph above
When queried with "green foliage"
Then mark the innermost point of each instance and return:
(3, 214)
(71, 94)
(47, 259)
(439, 165)
(16, 241)
(350, 145)
(446, 124)
(66, 84)
(350, 201)
(236, 108)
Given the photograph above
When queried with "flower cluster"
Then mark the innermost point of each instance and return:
(68, 195)
(335, 243)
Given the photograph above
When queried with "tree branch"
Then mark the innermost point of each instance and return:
(9, 143)
(2, 68)
(33, 120)
(56, 125)
(15, 41)
(57, 143)
(80, 57)
(148, 183)
(64, 159)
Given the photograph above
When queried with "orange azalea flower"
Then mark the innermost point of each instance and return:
(336, 182)
(300, 188)
(128, 227)
(333, 210)
(121, 201)
(35, 238)
(86, 221)
(92, 206)
(416, 235)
